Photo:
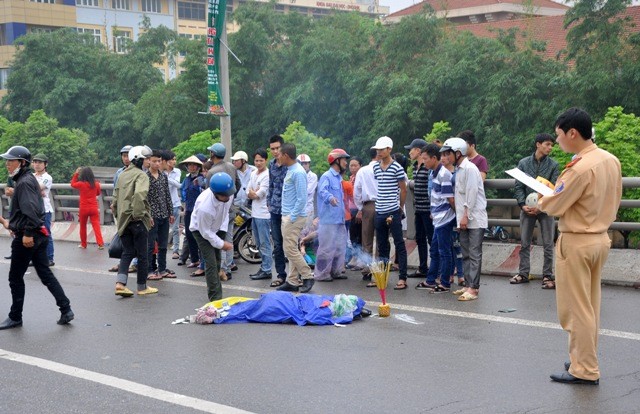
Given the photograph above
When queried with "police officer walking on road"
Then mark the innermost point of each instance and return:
(31, 238)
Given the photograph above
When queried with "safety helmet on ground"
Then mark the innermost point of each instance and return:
(17, 152)
(336, 154)
(218, 150)
(40, 157)
(455, 144)
(240, 155)
(222, 183)
(126, 149)
(303, 158)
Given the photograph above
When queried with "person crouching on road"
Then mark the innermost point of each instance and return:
(332, 233)
(209, 225)
(84, 181)
(133, 214)
(31, 238)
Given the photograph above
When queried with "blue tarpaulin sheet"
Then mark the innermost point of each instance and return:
(285, 307)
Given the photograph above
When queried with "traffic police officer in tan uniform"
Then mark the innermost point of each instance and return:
(586, 199)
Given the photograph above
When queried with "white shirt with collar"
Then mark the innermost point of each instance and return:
(210, 216)
(174, 186)
(366, 186)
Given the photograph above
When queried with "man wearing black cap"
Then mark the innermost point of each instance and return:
(26, 222)
(421, 205)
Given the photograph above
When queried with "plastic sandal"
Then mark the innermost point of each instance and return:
(466, 297)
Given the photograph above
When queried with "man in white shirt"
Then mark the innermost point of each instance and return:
(173, 176)
(209, 224)
(471, 215)
(240, 160)
(260, 216)
(365, 191)
(312, 185)
(40, 163)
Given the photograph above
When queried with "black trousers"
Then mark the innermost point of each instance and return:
(134, 244)
(20, 258)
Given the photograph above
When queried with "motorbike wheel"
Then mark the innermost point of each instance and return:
(503, 235)
(247, 249)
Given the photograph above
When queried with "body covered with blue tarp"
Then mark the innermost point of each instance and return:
(285, 307)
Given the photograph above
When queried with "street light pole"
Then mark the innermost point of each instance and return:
(225, 121)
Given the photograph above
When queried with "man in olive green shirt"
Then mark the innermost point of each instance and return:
(133, 215)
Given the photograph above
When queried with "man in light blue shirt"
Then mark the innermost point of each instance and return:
(332, 233)
(294, 201)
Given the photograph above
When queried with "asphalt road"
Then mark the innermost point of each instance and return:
(433, 355)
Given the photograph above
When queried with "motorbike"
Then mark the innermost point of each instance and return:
(244, 246)
(497, 233)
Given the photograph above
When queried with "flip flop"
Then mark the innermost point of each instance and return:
(197, 274)
(276, 283)
(154, 276)
(371, 284)
(399, 286)
(466, 297)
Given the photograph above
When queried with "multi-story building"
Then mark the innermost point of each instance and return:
(113, 21)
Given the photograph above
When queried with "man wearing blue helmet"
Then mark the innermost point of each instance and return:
(209, 225)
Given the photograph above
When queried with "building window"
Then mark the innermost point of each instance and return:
(120, 4)
(279, 8)
(44, 1)
(41, 29)
(96, 33)
(151, 6)
(88, 3)
(192, 10)
(4, 76)
(3, 36)
(121, 41)
(301, 10)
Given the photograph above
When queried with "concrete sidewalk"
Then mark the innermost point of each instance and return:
(500, 259)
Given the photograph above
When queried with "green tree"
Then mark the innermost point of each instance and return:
(65, 148)
(196, 144)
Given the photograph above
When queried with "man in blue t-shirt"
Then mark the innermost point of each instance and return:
(392, 192)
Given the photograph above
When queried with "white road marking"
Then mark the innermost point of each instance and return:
(122, 384)
(421, 309)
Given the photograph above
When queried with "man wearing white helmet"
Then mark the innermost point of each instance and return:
(240, 160)
(133, 214)
(539, 164)
(471, 215)
(312, 185)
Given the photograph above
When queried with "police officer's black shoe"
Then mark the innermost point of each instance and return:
(307, 284)
(65, 318)
(10, 323)
(567, 378)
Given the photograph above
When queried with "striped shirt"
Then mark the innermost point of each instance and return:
(441, 190)
(421, 188)
(388, 198)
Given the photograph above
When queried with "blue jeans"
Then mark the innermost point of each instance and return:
(382, 238)
(262, 237)
(441, 259)
(278, 251)
(47, 224)
(424, 235)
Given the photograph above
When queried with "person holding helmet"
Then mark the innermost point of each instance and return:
(31, 238)
(332, 233)
(40, 163)
(312, 185)
(539, 164)
(133, 215)
(218, 152)
(209, 225)
(471, 215)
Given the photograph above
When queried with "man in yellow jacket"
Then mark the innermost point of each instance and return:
(586, 199)
(133, 214)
